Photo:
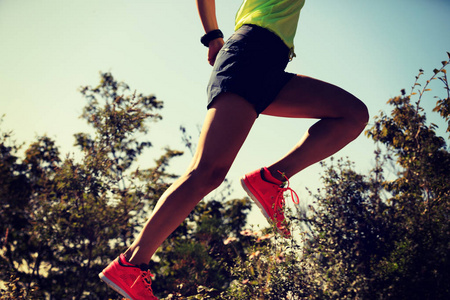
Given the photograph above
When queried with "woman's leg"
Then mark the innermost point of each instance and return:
(225, 129)
(342, 118)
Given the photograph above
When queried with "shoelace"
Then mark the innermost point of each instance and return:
(145, 277)
(280, 201)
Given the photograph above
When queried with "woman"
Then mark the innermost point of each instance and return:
(248, 79)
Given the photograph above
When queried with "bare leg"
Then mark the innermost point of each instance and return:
(224, 131)
(342, 118)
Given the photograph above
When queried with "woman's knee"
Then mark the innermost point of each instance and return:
(207, 176)
(356, 117)
(359, 112)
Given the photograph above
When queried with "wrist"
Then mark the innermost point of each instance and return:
(216, 43)
(210, 36)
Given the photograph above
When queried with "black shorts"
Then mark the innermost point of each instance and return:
(251, 64)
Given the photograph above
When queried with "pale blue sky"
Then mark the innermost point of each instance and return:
(48, 48)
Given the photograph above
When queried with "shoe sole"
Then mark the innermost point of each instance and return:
(255, 199)
(114, 286)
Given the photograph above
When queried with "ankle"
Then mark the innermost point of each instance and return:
(275, 174)
(132, 256)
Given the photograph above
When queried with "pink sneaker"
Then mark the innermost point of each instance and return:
(131, 281)
(268, 193)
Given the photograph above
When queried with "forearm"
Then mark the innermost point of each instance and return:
(207, 13)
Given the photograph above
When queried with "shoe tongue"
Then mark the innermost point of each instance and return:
(268, 177)
(144, 267)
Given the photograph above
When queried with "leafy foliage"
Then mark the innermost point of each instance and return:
(420, 201)
(65, 220)
(199, 253)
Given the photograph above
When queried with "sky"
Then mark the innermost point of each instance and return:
(50, 48)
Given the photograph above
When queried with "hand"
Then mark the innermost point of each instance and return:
(214, 48)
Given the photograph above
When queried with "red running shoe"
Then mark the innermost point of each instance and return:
(268, 193)
(131, 281)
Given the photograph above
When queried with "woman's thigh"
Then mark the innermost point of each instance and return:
(226, 126)
(306, 97)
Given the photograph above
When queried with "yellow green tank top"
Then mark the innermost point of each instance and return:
(279, 16)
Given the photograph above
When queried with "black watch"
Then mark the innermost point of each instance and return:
(212, 35)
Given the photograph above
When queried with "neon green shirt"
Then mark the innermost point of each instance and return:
(279, 16)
